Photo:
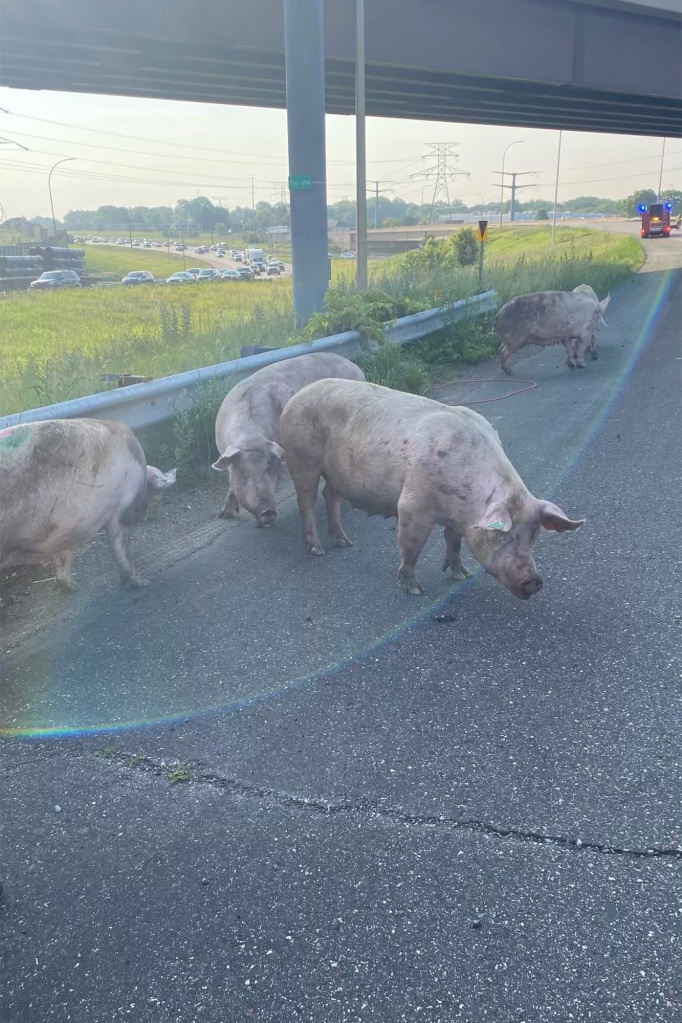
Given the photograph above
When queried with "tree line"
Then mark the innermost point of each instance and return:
(202, 215)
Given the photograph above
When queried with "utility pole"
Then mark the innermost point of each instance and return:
(253, 193)
(377, 192)
(443, 152)
(514, 187)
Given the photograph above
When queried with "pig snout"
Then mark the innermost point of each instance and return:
(266, 517)
(529, 587)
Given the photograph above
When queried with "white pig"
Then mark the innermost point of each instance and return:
(64, 480)
(247, 429)
(589, 292)
(396, 454)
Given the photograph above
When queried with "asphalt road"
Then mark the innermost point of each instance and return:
(459, 807)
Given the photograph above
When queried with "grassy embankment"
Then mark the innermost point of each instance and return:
(114, 262)
(57, 346)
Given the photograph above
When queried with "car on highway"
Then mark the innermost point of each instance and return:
(245, 272)
(180, 248)
(230, 275)
(273, 270)
(208, 275)
(138, 277)
(52, 279)
(181, 277)
(199, 251)
(220, 253)
(347, 255)
(194, 271)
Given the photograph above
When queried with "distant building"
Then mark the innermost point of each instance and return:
(24, 227)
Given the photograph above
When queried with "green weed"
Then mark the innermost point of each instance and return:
(178, 773)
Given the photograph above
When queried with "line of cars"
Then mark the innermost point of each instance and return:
(203, 274)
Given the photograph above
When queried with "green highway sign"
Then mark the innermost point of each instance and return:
(301, 183)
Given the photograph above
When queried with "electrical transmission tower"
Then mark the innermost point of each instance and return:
(442, 169)
(281, 189)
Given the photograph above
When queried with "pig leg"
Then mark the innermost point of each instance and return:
(579, 346)
(453, 559)
(118, 536)
(594, 354)
(306, 484)
(504, 359)
(231, 506)
(332, 501)
(568, 345)
(62, 563)
(413, 532)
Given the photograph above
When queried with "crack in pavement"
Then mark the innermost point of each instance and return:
(275, 797)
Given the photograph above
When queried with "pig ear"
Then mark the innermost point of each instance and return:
(497, 519)
(275, 449)
(552, 517)
(157, 480)
(602, 307)
(228, 455)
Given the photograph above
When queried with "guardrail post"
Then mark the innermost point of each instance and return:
(304, 56)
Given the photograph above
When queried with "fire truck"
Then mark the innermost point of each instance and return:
(655, 220)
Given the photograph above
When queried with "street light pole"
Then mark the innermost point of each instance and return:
(49, 188)
(516, 143)
(556, 187)
(360, 147)
(660, 176)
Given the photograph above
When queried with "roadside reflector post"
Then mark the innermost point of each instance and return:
(482, 239)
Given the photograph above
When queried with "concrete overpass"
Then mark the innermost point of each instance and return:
(589, 65)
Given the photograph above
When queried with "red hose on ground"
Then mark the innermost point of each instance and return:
(530, 384)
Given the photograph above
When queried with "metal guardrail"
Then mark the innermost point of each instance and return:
(156, 401)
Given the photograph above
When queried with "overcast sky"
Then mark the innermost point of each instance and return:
(131, 152)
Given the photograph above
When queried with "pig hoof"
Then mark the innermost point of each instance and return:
(68, 584)
(459, 572)
(315, 549)
(342, 541)
(507, 370)
(580, 365)
(595, 356)
(410, 583)
(138, 582)
(227, 513)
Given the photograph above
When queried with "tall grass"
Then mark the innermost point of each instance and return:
(58, 346)
(55, 346)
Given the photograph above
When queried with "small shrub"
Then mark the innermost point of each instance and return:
(466, 247)
(346, 308)
(469, 341)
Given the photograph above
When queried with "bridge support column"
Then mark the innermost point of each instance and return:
(304, 55)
